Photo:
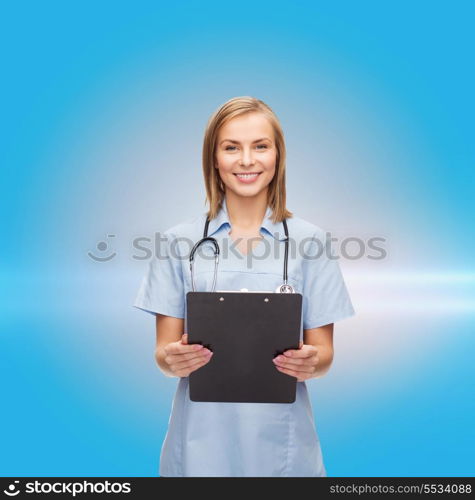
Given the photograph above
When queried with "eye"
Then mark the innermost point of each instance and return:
(227, 148)
(262, 145)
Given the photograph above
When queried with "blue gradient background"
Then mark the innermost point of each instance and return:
(104, 106)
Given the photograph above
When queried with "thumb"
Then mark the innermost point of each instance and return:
(184, 338)
(301, 344)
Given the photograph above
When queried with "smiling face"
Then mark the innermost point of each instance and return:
(245, 145)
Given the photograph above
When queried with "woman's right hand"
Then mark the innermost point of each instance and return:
(183, 358)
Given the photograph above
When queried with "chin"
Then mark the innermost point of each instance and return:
(247, 193)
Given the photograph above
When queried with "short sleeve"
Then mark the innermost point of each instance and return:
(325, 296)
(162, 289)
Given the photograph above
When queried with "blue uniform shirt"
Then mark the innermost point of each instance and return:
(244, 439)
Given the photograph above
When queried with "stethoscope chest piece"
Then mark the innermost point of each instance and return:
(285, 289)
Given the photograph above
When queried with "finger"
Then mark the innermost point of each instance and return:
(295, 362)
(300, 344)
(184, 338)
(178, 358)
(199, 365)
(191, 362)
(185, 371)
(306, 352)
(177, 347)
(292, 373)
(298, 368)
(292, 362)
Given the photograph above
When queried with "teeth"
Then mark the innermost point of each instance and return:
(247, 176)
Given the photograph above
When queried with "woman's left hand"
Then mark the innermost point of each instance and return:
(300, 363)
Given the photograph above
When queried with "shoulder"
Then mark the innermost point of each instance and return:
(313, 244)
(303, 229)
(190, 228)
(178, 240)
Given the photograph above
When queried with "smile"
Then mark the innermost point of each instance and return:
(248, 177)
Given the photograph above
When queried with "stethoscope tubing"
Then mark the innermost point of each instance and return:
(284, 288)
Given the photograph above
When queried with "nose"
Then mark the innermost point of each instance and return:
(246, 158)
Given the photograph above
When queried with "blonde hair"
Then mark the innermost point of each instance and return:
(215, 192)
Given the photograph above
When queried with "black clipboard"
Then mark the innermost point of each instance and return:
(245, 331)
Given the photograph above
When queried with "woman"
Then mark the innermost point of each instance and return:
(244, 173)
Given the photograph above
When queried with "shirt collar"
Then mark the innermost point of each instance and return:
(276, 229)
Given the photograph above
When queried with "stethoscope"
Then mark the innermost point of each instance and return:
(284, 288)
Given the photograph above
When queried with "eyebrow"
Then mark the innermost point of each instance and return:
(253, 142)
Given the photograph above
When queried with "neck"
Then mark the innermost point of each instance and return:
(246, 211)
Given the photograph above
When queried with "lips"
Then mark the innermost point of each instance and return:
(248, 177)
